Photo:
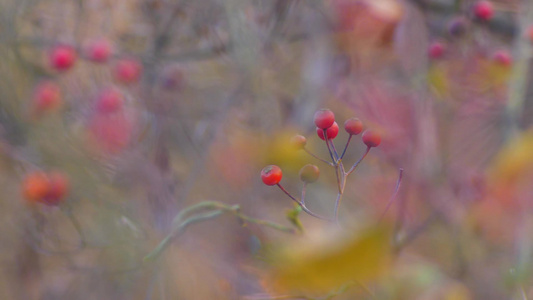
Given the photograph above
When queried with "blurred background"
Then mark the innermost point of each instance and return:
(118, 116)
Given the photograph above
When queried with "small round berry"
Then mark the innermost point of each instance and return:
(62, 57)
(457, 27)
(46, 97)
(331, 132)
(127, 71)
(324, 118)
(436, 50)
(35, 186)
(298, 141)
(353, 126)
(484, 10)
(98, 51)
(503, 58)
(309, 173)
(57, 190)
(110, 101)
(271, 175)
(371, 138)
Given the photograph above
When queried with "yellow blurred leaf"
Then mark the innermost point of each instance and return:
(279, 151)
(457, 291)
(323, 265)
(514, 160)
(438, 80)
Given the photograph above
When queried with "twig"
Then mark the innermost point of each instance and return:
(394, 194)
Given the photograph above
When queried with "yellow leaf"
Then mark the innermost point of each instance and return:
(320, 266)
(514, 160)
(438, 80)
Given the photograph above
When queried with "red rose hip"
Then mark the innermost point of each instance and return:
(271, 175)
(98, 51)
(483, 10)
(503, 58)
(331, 132)
(371, 138)
(47, 97)
(110, 101)
(436, 50)
(324, 118)
(58, 186)
(353, 126)
(127, 71)
(62, 57)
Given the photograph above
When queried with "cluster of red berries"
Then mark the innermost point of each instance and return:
(126, 70)
(46, 188)
(482, 11)
(61, 58)
(325, 124)
(326, 128)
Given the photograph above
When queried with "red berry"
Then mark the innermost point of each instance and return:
(127, 71)
(353, 126)
(112, 133)
(110, 101)
(98, 51)
(309, 173)
(57, 190)
(503, 58)
(436, 50)
(271, 175)
(332, 131)
(483, 10)
(47, 96)
(49, 189)
(324, 118)
(62, 57)
(35, 186)
(298, 141)
(371, 138)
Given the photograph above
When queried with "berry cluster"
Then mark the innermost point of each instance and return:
(62, 58)
(46, 188)
(327, 130)
(481, 12)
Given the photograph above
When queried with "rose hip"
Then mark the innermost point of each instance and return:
(331, 132)
(271, 175)
(353, 126)
(324, 118)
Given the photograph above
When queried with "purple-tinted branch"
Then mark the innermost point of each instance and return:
(322, 160)
(302, 205)
(393, 197)
(346, 146)
(358, 162)
(329, 148)
(334, 150)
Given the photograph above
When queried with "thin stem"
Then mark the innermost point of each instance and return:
(329, 148)
(322, 160)
(334, 150)
(393, 197)
(346, 146)
(302, 205)
(339, 199)
(358, 162)
(178, 231)
(304, 188)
